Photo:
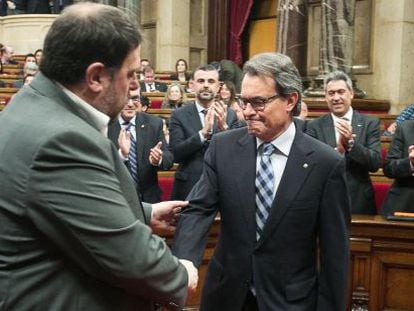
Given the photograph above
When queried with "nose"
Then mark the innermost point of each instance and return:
(336, 96)
(248, 111)
(133, 84)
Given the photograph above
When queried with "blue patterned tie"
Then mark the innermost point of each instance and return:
(264, 188)
(132, 155)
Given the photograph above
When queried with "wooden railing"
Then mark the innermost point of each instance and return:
(382, 264)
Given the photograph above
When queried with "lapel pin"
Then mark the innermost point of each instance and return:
(142, 126)
(305, 165)
(359, 125)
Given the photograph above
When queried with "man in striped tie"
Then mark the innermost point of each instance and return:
(141, 142)
(280, 194)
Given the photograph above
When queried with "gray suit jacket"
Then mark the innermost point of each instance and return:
(148, 133)
(187, 148)
(73, 232)
(397, 165)
(311, 206)
(364, 157)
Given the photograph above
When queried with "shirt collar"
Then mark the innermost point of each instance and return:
(347, 115)
(122, 121)
(98, 118)
(199, 107)
(284, 141)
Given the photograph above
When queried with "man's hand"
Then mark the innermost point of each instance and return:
(207, 130)
(165, 215)
(411, 154)
(345, 134)
(192, 275)
(220, 111)
(392, 128)
(124, 142)
(155, 156)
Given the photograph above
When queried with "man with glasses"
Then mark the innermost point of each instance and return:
(140, 133)
(283, 204)
(193, 125)
(353, 135)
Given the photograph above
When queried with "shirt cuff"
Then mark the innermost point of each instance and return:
(122, 156)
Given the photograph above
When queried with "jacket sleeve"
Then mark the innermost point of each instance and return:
(184, 141)
(76, 200)
(334, 227)
(367, 153)
(397, 163)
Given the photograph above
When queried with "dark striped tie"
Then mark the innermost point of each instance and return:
(264, 188)
(132, 155)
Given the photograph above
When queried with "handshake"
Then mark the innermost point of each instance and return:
(192, 275)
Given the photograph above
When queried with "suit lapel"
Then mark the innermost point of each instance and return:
(328, 129)
(141, 136)
(246, 151)
(113, 132)
(193, 118)
(357, 125)
(297, 168)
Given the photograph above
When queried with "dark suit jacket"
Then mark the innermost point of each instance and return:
(311, 204)
(187, 148)
(159, 86)
(149, 133)
(364, 157)
(397, 165)
(230, 71)
(174, 76)
(73, 231)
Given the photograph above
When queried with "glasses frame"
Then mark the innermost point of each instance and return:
(242, 102)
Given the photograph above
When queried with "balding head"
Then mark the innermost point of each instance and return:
(86, 33)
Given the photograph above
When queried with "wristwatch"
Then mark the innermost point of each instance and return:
(350, 144)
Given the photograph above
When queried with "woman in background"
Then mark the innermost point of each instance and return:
(181, 73)
(174, 97)
(38, 56)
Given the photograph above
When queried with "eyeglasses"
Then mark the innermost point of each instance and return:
(258, 103)
(135, 99)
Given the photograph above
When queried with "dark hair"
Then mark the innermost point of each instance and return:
(28, 55)
(281, 69)
(86, 33)
(181, 60)
(205, 67)
(144, 100)
(232, 88)
(336, 76)
(147, 69)
(37, 51)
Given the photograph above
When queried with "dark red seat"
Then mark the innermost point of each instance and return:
(166, 184)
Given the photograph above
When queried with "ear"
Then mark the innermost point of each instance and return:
(96, 77)
(292, 100)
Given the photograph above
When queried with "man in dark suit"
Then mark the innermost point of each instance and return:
(149, 85)
(276, 207)
(151, 150)
(193, 125)
(399, 164)
(74, 234)
(353, 135)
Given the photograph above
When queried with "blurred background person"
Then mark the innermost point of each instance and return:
(406, 114)
(38, 56)
(175, 96)
(181, 68)
(149, 84)
(399, 164)
(141, 133)
(28, 69)
(7, 54)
